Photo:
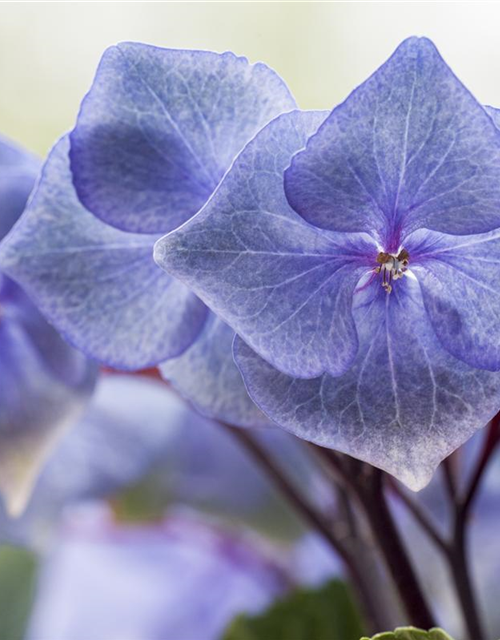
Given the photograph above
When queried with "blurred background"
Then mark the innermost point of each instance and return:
(143, 497)
(49, 51)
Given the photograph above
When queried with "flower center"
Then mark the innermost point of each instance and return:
(392, 267)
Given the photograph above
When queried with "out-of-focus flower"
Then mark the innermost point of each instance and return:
(155, 134)
(44, 383)
(183, 579)
(363, 324)
(138, 431)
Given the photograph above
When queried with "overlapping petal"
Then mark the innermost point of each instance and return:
(18, 171)
(206, 375)
(98, 285)
(459, 276)
(409, 148)
(404, 405)
(160, 127)
(44, 383)
(283, 285)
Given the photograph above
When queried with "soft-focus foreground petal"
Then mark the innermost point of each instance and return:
(405, 404)
(44, 385)
(137, 430)
(207, 376)
(409, 148)
(18, 170)
(99, 286)
(281, 284)
(459, 277)
(183, 579)
(160, 127)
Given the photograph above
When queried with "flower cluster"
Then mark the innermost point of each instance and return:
(349, 259)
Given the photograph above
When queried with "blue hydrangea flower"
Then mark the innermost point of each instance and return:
(359, 265)
(180, 579)
(155, 134)
(44, 383)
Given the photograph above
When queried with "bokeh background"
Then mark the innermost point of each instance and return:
(49, 51)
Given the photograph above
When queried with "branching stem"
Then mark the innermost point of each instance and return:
(313, 518)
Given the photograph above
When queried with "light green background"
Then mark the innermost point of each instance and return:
(49, 51)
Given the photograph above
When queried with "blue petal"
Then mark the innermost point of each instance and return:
(404, 405)
(409, 148)
(18, 170)
(160, 127)
(281, 284)
(494, 115)
(207, 376)
(99, 286)
(44, 385)
(459, 276)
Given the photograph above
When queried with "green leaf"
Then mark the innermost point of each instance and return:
(327, 613)
(17, 587)
(411, 633)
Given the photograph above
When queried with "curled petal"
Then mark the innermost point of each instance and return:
(160, 127)
(281, 284)
(99, 286)
(206, 375)
(409, 148)
(459, 276)
(405, 404)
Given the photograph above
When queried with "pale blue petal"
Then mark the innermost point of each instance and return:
(99, 286)
(460, 276)
(281, 284)
(409, 148)
(494, 115)
(207, 376)
(160, 127)
(404, 405)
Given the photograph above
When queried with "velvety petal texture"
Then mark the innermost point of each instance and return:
(98, 285)
(460, 276)
(281, 284)
(404, 405)
(409, 148)
(160, 127)
(207, 376)
(18, 171)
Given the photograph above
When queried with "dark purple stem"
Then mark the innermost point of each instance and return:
(366, 483)
(457, 548)
(313, 518)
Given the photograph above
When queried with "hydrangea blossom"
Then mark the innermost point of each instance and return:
(180, 579)
(155, 134)
(44, 383)
(358, 262)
